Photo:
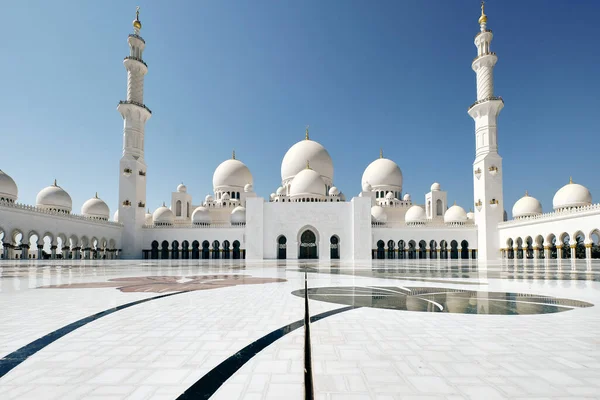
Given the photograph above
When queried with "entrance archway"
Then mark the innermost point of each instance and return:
(335, 247)
(308, 245)
(281, 248)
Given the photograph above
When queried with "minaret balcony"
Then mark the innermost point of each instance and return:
(133, 35)
(136, 59)
(490, 53)
(135, 103)
(480, 33)
(486, 99)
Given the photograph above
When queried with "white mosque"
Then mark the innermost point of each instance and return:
(307, 216)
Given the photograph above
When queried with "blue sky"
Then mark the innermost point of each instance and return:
(251, 75)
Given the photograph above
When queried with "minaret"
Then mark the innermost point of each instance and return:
(487, 167)
(132, 173)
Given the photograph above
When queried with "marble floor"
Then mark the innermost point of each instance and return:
(231, 329)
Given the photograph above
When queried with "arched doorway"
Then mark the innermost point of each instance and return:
(164, 252)
(391, 252)
(464, 250)
(308, 245)
(154, 251)
(185, 250)
(281, 248)
(380, 250)
(226, 250)
(216, 250)
(335, 247)
(236, 250)
(195, 250)
(175, 249)
(205, 250)
(454, 250)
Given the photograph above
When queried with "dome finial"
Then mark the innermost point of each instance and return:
(454, 202)
(570, 179)
(55, 182)
(233, 154)
(164, 204)
(306, 137)
(307, 165)
(526, 193)
(483, 18)
(96, 194)
(380, 153)
(148, 211)
(137, 25)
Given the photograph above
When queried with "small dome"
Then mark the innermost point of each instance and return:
(415, 214)
(389, 196)
(248, 188)
(366, 187)
(280, 191)
(238, 215)
(342, 196)
(296, 157)
(383, 173)
(572, 195)
(8, 187)
(116, 216)
(231, 173)
(378, 215)
(225, 196)
(333, 191)
(95, 208)
(455, 215)
(163, 216)
(470, 215)
(406, 197)
(436, 187)
(307, 182)
(181, 188)
(201, 215)
(526, 206)
(54, 198)
(272, 196)
(208, 199)
(149, 220)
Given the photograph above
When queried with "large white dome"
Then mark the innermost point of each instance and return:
(201, 215)
(455, 215)
(95, 208)
(54, 198)
(308, 182)
(383, 172)
(572, 195)
(163, 216)
(526, 206)
(232, 173)
(8, 187)
(415, 214)
(296, 157)
(238, 215)
(378, 215)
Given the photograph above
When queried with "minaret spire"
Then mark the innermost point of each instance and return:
(132, 177)
(233, 154)
(306, 137)
(381, 153)
(487, 167)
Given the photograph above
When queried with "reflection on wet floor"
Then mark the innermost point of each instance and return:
(432, 299)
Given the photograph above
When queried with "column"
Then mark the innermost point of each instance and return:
(427, 250)
(588, 251)
(65, 252)
(53, 250)
(559, 251)
(24, 251)
(547, 252)
(40, 252)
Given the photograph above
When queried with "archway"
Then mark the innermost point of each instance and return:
(175, 250)
(551, 243)
(412, 250)
(380, 250)
(539, 244)
(236, 249)
(443, 249)
(433, 249)
(401, 246)
(439, 208)
(510, 251)
(566, 245)
(281, 248)
(579, 245)
(215, 249)
(464, 250)
(185, 250)
(422, 250)
(154, 250)
(205, 250)
(164, 251)
(519, 248)
(391, 251)
(334, 248)
(595, 239)
(226, 250)
(454, 250)
(308, 245)
(528, 247)
(195, 250)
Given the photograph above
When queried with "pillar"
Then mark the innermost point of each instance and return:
(53, 251)
(427, 250)
(40, 252)
(559, 251)
(588, 251)
(547, 252)
(24, 251)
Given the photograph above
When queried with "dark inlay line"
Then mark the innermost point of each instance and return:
(215, 378)
(15, 358)
(309, 393)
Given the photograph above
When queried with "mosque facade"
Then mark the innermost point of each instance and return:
(307, 216)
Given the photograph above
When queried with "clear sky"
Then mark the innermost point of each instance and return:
(251, 75)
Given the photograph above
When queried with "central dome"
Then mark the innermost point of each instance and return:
(296, 157)
(54, 198)
(383, 172)
(95, 208)
(232, 173)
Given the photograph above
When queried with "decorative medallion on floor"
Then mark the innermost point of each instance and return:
(163, 284)
(432, 299)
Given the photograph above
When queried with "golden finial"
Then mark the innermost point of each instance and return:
(233, 155)
(55, 182)
(307, 126)
(570, 179)
(483, 18)
(526, 193)
(380, 153)
(136, 23)
(454, 202)
(307, 165)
